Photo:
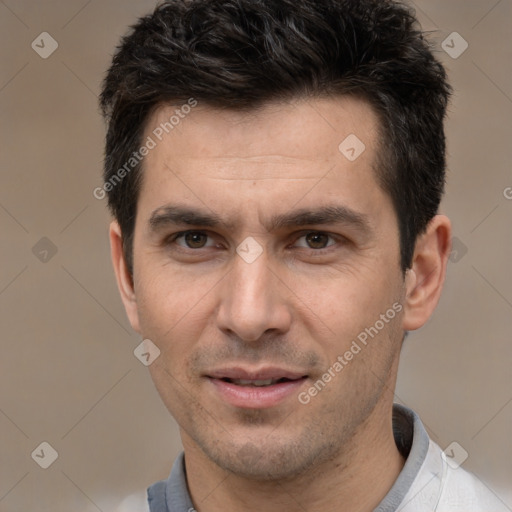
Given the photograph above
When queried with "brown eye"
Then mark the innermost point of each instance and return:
(191, 240)
(317, 240)
(195, 240)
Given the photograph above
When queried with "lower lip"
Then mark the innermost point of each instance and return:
(256, 397)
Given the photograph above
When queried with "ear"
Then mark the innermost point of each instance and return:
(424, 280)
(123, 276)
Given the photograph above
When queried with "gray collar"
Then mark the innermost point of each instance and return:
(411, 438)
(412, 441)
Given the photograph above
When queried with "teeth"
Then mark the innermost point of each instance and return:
(243, 382)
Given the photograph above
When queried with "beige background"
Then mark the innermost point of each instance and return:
(68, 375)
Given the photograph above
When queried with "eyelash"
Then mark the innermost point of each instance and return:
(338, 239)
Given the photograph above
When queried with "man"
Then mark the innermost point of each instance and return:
(275, 169)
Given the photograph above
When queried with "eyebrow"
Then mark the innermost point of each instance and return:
(165, 215)
(331, 214)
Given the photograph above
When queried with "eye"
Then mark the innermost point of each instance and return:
(317, 240)
(191, 239)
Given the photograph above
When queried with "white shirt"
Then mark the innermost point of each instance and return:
(430, 481)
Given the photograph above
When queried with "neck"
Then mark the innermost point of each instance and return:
(356, 480)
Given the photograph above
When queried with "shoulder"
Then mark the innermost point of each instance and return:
(464, 492)
(460, 490)
(134, 503)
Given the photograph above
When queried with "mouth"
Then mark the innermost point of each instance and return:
(260, 389)
(259, 383)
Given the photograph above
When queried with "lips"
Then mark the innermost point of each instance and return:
(263, 388)
(259, 378)
(267, 373)
(258, 383)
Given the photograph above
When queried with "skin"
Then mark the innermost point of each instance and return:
(294, 307)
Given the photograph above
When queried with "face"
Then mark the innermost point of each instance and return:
(262, 257)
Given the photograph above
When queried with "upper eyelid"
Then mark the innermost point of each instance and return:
(180, 234)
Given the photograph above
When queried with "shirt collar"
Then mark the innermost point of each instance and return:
(411, 439)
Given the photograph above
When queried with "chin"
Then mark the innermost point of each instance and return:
(269, 459)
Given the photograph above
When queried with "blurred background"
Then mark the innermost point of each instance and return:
(68, 374)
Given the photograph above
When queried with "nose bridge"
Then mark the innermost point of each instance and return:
(252, 300)
(251, 284)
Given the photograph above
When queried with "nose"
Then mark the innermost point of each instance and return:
(253, 301)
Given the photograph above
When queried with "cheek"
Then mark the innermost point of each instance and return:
(349, 309)
(173, 306)
(345, 298)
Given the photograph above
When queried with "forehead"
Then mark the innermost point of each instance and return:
(273, 158)
(311, 129)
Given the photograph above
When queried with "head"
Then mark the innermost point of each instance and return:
(301, 144)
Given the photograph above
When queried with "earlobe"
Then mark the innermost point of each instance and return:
(123, 276)
(424, 280)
